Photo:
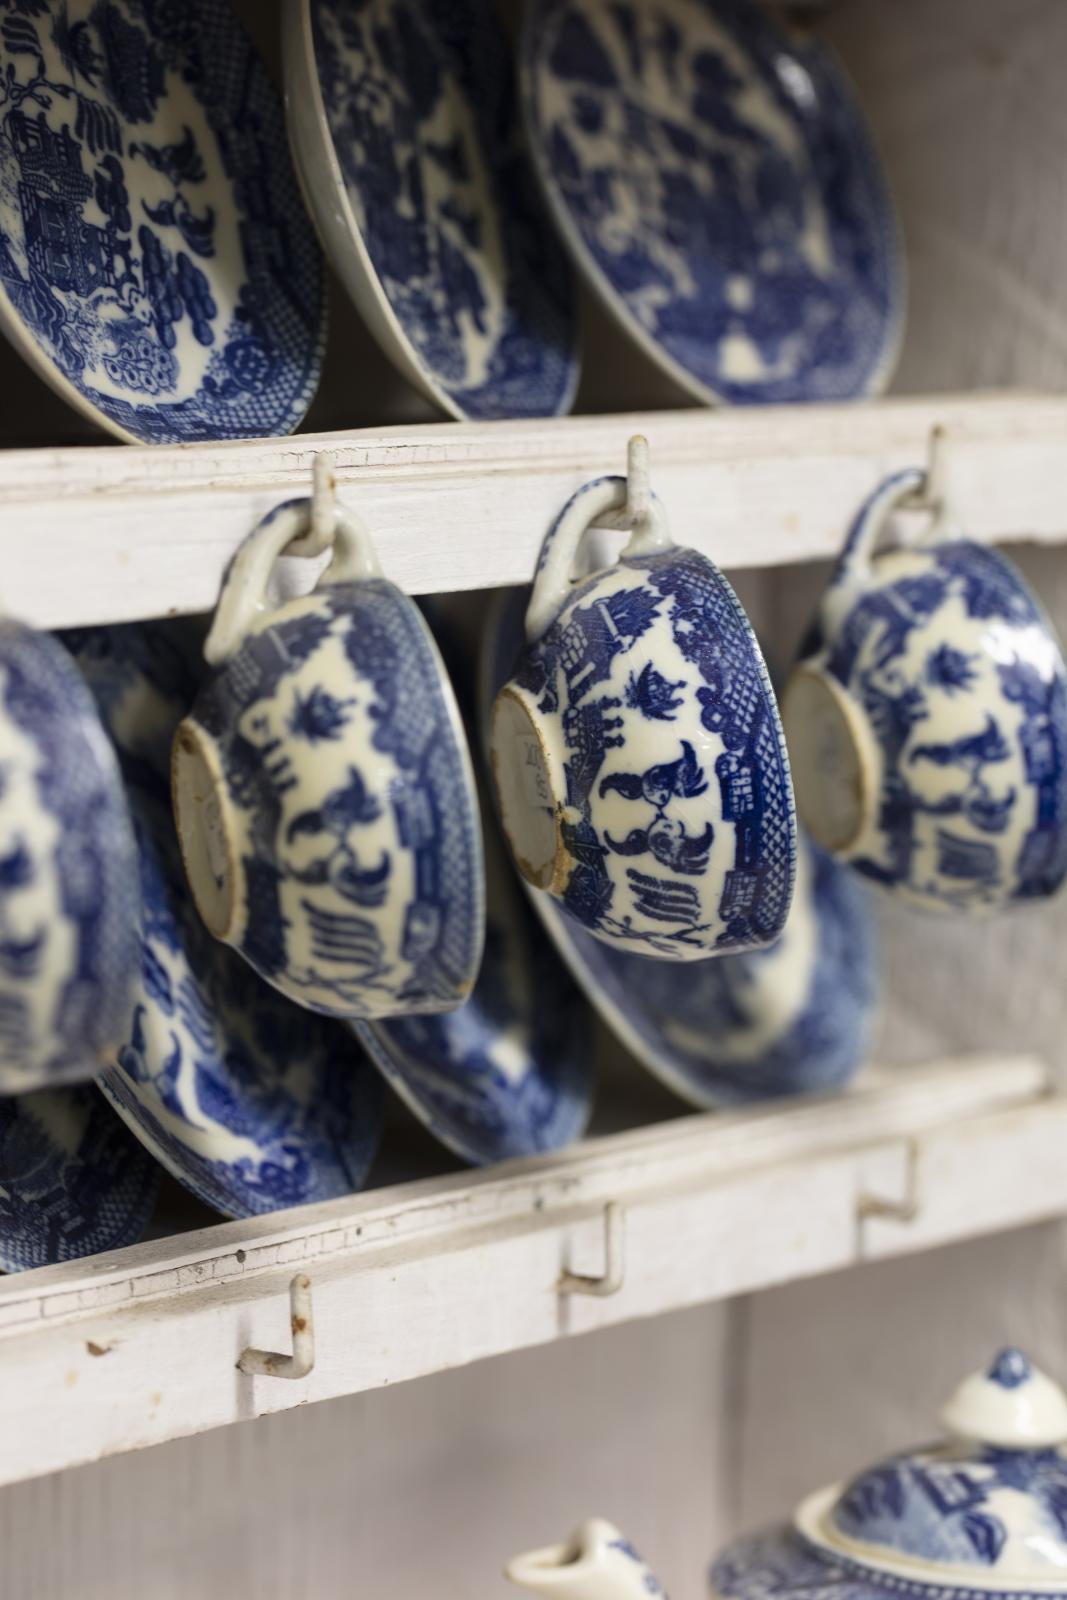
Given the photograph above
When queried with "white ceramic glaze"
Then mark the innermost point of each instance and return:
(69, 902)
(927, 730)
(595, 1563)
(156, 266)
(250, 1102)
(324, 794)
(792, 1018)
(982, 1513)
(711, 174)
(405, 136)
(637, 753)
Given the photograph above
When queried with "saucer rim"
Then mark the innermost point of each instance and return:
(357, 273)
(614, 303)
(26, 346)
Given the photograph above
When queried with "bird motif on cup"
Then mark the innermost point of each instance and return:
(666, 837)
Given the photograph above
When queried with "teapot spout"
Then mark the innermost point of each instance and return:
(595, 1563)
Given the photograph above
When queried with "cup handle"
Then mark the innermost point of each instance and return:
(602, 502)
(244, 590)
(854, 565)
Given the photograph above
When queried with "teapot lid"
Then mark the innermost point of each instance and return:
(984, 1510)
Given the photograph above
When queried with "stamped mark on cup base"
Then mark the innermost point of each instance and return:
(524, 785)
(831, 775)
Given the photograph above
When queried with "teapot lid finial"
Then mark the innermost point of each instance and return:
(1012, 1405)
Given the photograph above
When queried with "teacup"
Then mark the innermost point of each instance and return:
(928, 727)
(69, 886)
(638, 755)
(323, 789)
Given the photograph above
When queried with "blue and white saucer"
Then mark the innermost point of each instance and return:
(68, 872)
(714, 180)
(794, 1018)
(249, 1101)
(156, 264)
(407, 139)
(73, 1181)
(510, 1072)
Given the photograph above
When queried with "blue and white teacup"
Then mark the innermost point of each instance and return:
(69, 884)
(323, 788)
(638, 755)
(928, 727)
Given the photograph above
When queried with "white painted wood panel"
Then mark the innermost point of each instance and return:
(121, 1352)
(420, 1490)
(117, 532)
(966, 100)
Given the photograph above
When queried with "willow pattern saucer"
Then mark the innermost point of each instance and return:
(72, 1179)
(407, 140)
(510, 1072)
(249, 1101)
(156, 264)
(794, 1018)
(714, 180)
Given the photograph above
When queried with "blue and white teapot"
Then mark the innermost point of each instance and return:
(981, 1513)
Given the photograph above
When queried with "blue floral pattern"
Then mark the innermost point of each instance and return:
(419, 100)
(247, 1100)
(68, 872)
(510, 1072)
(319, 911)
(153, 247)
(73, 1182)
(779, 1564)
(729, 1031)
(795, 1018)
(716, 181)
(971, 734)
(644, 885)
(947, 1505)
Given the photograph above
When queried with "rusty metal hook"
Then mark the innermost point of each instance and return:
(272, 1364)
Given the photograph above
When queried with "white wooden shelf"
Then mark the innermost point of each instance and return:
(113, 532)
(131, 1349)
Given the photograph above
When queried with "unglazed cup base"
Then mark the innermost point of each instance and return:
(831, 764)
(528, 809)
(208, 850)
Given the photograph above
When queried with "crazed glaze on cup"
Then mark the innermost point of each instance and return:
(69, 895)
(637, 752)
(928, 728)
(323, 789)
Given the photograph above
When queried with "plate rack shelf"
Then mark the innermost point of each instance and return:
(121, 1351)
(103, 1356)
(113, 533)
(100, 1357)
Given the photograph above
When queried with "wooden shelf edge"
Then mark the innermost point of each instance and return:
(107, 1355)
(113, 533)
